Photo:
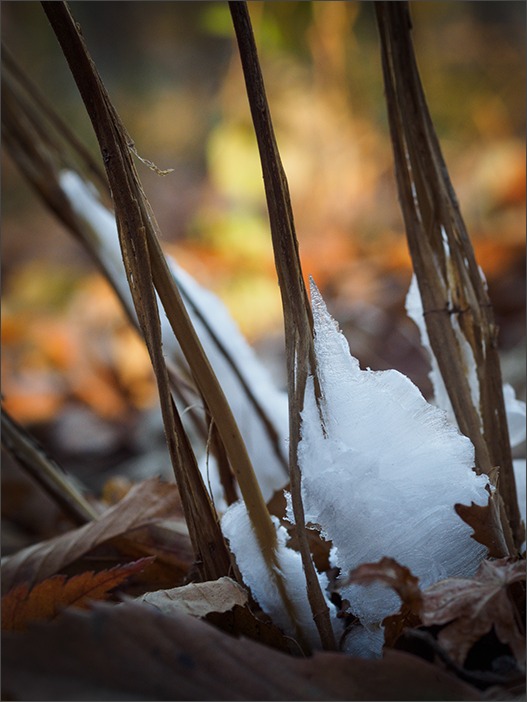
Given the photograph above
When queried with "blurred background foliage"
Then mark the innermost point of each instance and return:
(172, 70)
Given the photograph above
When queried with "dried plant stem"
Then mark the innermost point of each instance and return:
(41, 152)
(297, 313)
(454, 297)
(45, 110)
(38, 142)
(211, 551)
(272, 434)
(21, 446)
(221, 413)
(34, 138)
(146, 267)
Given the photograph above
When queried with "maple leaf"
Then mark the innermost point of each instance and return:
(471, 608)
(486, 523)
(23, 605)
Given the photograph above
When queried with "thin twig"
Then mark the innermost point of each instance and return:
(52, 116)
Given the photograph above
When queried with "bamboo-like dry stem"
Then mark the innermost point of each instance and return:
(41, 153)
(37, 140)
(298, 321)
(449, 280)
(221, 413)
(146, 267)
(212, 555)
(46, 110)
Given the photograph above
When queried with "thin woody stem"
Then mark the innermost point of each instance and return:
(298, 321)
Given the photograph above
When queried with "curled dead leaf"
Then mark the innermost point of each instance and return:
(396, 624)
(400, 578)
(199, 599)
(392, 574)
(486, 523)
(470, 608)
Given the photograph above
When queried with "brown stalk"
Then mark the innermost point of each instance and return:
(223, 418)
(18, 78)
(38, 142)
(448, 276)
(146, 267)
(271, 432)
(38, 146)
(298, 321)
(210, 548)
(39, 152)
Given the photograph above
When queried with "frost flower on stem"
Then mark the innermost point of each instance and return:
(237, 528)
(382, 476)
(379, 478)
(514, 408)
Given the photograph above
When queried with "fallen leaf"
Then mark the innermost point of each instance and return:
(392, 574)
(223, 603)
(199, 599)
(168, 540)
(23, 605)
(134, 652)
(472, 607)
(146, 501)
(485, 521)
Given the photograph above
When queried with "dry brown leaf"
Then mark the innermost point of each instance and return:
(23, 605)
(471, 608)
(392, 574)
(133, 652)
(168, 540)
(145, 502)
(199, 599)
(485, 521)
